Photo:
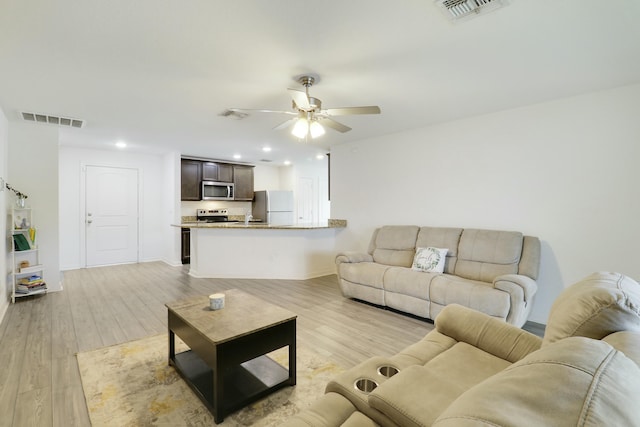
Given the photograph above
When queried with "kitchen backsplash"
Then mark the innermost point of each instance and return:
(188, 209)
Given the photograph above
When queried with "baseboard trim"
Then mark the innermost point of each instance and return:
(535, 328)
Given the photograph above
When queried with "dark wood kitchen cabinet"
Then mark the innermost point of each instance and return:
(221, 172)
(194, 171)
(186, 246)
(191, 179)
(243, 182)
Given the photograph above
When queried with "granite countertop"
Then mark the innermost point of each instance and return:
(332, 223)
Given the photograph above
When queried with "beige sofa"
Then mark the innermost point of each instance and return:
(490, 271)
(475, 370)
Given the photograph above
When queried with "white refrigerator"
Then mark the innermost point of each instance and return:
(274, 207)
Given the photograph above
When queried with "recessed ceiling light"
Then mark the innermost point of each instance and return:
(237, 156)
(287, 162)
(121, 144)
(266, 149)
(320, 156)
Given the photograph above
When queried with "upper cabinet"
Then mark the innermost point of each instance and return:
(191, 184)
(221, 172)
(243, 182)
(196, 171)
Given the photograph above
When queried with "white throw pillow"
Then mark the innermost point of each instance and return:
(430, 260)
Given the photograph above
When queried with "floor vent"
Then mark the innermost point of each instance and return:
(53, 120)
(461, 9)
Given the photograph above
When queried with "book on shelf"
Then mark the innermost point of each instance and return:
(24, 289)
(30, 269)
(20, 243)
(31, 280)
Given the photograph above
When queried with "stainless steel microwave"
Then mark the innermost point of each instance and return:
(212, 190)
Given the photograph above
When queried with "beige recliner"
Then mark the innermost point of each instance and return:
(475, 370)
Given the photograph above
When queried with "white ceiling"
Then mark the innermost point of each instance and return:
(156, 74)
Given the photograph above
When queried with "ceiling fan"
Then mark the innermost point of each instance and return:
(309, 117)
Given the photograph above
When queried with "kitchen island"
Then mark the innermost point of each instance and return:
(262, 251)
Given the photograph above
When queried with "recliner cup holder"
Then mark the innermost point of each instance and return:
(388, 371)
(365, 385)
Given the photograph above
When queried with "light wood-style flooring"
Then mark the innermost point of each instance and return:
(40, 335)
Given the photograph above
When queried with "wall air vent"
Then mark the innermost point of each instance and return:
(463, 9)
(53, 120)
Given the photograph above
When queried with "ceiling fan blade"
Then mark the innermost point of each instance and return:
(291, 113)
(347, 111)
(330, 123)
(285, 124)
(301, 99)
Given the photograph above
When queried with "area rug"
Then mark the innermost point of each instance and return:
(131, 384)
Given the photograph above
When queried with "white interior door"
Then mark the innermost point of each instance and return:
(111, 216)
(305, 200)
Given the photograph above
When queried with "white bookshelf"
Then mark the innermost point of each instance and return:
(25, 262)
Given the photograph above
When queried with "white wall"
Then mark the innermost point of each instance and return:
(33, 170)
(154, 229)
(5, 197)
(172, 209)
(566, 171)
(267, 178)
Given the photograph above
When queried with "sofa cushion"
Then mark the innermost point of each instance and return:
(421, 352)
(447, 289)
(331, 410)
(408, 282)
(395, 245)
(486, 254)
(599, 305)
(364, 273)
(441, 237)
(418, 394)
(627, 342)
(429, 259)
(573, 382)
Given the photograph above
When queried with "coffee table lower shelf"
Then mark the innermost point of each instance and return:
(243, 383)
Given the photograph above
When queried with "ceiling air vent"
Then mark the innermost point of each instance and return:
(233, 114)
(461, 9)
(53, 120)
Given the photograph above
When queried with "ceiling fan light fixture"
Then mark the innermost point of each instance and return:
(301, 128)
(316, 129)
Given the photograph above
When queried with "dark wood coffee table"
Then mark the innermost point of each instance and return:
(226, 365)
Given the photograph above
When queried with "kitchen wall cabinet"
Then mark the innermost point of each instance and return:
(243, 182)
(191, 179)
(221, 172)
(193, 172)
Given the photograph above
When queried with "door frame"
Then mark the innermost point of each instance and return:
(83, 209)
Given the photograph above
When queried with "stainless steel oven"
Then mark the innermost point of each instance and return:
(212, 190)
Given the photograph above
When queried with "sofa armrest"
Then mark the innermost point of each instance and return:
(353, 257)
(521, 290)
(487, 333)
(513, 283)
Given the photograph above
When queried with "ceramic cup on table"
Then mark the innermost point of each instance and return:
(216, 301)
